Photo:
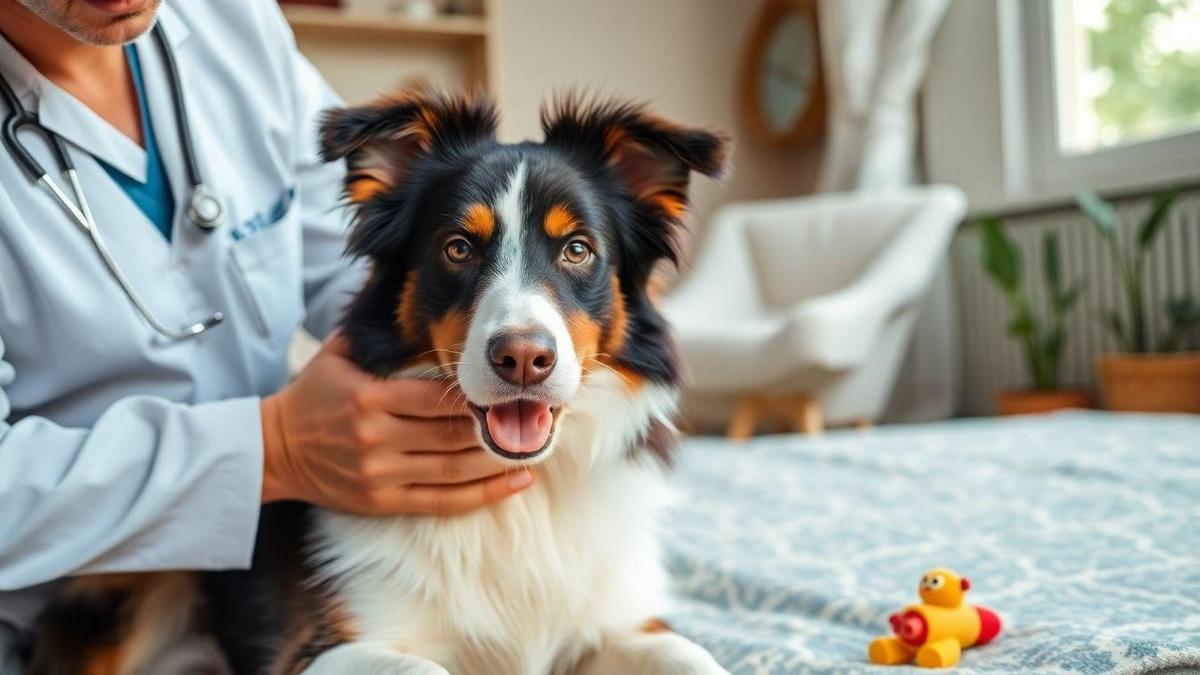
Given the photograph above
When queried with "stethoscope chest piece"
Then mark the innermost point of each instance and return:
(205, 208)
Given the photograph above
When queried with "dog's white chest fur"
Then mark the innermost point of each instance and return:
(530, 584)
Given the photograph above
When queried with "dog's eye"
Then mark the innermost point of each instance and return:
(577, 252)
(458, 250)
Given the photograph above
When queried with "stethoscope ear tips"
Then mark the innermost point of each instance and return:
(205, 208)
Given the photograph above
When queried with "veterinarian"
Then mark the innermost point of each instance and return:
(146, 308)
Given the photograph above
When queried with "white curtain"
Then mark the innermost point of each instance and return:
(875, 54)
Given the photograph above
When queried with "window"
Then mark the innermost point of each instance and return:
(1111, 95)
(1126, 71)
(1030, 100)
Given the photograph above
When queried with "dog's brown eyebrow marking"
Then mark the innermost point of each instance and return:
(559, 222)
(480, 221)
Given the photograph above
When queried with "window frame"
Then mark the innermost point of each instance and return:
(1051, 172)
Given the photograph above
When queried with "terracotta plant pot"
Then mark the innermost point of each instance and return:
(1031, 401)
(1150, 382)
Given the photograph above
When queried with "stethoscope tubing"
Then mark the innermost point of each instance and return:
(80, 210)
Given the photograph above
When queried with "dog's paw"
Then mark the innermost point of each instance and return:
(360, 659)
(680, 656)
(653, 654)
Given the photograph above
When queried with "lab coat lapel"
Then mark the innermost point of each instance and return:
(162, 110)
(64, 115)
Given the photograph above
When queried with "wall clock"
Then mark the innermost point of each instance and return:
(782, 89)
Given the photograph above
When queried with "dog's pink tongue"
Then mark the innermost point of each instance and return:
(520, 427)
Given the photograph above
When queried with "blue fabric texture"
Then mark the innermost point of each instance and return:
(153, 197)
(1081, 530)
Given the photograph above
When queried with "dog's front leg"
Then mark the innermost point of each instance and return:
(357, 658)
(643, 653)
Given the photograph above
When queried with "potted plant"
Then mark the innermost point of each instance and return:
(1147, 375)
(1041, 340)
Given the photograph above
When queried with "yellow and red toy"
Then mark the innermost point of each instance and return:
(934, 632)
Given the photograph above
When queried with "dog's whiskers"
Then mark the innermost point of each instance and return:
(610, 368)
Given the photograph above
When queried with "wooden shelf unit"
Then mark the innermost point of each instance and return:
(334, 19)
(344, 42)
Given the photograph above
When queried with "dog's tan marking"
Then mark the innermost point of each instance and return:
(324, 626)
(155, 610)
(614, 138)
(618, 321)
(364, 184)
(653, 626)
(480, 221)
(585, 335)
(407, 317)
(448, 335)
(559, 222)
(104, 660)
(672, 205)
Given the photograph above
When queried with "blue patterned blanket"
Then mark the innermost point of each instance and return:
(1082, 530)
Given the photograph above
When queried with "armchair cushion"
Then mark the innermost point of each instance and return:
(792, 289)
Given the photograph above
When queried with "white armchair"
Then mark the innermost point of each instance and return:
(804, 307)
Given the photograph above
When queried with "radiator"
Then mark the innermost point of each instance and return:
(992, 361)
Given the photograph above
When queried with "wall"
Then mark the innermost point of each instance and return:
(683, 56)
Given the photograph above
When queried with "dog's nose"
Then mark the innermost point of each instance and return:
(525, 358)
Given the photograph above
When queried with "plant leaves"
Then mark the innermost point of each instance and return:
(1099, 212)
(999, 256)
(1157, 217)
(1052, 345)
(1052, 263)
(1115, 324)
(1064, 301)
(1021, 324)
(1183, 312)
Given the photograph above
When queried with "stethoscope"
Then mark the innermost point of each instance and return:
(205, 208)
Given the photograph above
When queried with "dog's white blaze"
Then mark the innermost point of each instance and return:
(511, 214)
(530, 584)
(509, 302)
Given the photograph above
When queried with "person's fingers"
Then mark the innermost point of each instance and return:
(419, 398)
(418, 434)
(450, 499)
(336, 343)
(439, 468)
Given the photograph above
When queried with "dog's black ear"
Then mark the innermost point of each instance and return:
(653, 158)
(382, 142)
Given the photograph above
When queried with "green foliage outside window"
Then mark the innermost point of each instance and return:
(1152, 67)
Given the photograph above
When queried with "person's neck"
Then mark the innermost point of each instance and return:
(57, 55)
(96, 75)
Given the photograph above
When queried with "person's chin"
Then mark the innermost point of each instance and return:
(101, 22)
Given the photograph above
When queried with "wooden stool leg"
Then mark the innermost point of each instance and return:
(808, 418)
(745, 419)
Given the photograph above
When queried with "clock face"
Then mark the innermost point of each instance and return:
(788, 72)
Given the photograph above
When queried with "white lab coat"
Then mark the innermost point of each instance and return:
(120, 450)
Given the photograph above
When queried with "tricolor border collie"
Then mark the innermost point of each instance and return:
(520, 272)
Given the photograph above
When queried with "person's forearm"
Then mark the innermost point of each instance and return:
(152, 485)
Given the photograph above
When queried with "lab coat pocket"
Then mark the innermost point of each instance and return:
(268, 266)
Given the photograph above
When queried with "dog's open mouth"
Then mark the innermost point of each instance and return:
(519, 430)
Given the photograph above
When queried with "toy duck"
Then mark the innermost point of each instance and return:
(934, 632)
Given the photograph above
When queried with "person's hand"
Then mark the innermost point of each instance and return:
(339, 438)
